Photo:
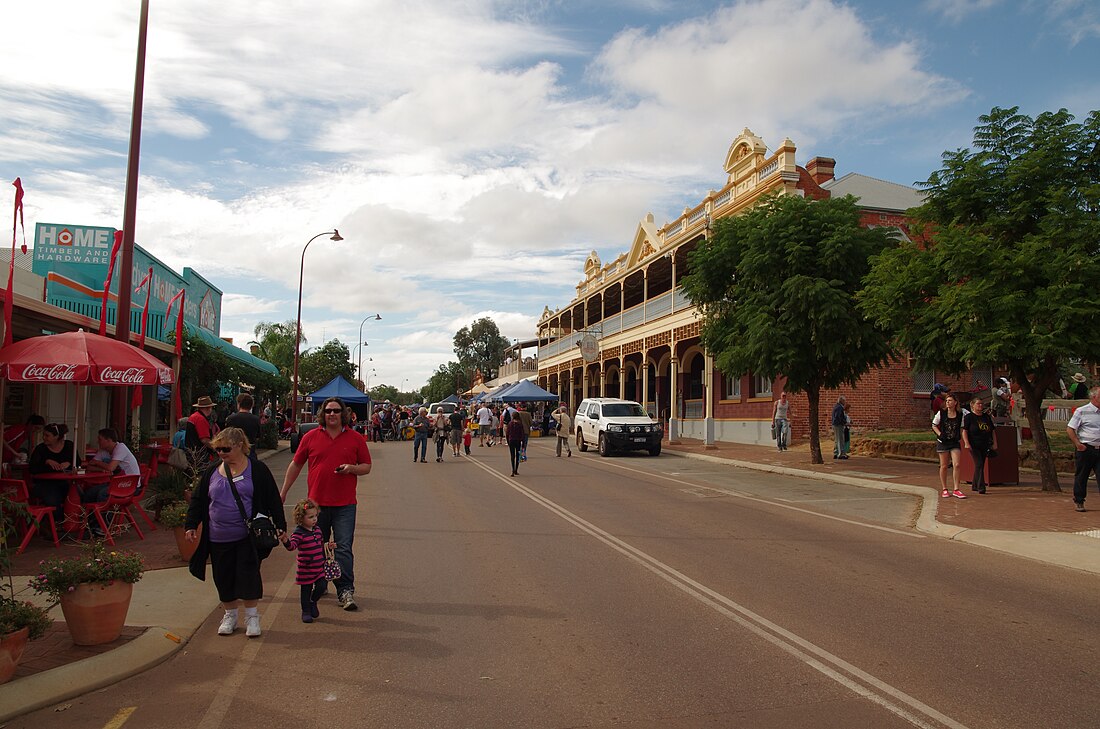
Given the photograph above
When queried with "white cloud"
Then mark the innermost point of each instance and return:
(957, 10)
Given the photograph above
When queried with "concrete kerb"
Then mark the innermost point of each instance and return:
(1058, 548)
(157, 606)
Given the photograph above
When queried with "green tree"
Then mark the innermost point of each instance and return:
(776, 287)
(202, 367)
(480, 346)
(448, 379)
(1009, 272)
(321, 364)
(275, 344)
(381, 393)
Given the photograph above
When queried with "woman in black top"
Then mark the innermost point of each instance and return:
(978, 436)
(947, 425)
(53, 454)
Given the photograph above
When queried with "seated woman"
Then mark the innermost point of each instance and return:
(53, 454)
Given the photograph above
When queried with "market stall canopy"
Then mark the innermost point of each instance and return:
(341, 388)
(496, 394)
(451, 398)
(81, 358)
(527, 391)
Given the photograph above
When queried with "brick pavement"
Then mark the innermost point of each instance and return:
(1023, 507)
(56, 649)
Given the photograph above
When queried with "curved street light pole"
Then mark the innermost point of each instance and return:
(376, 317)
(298, 322)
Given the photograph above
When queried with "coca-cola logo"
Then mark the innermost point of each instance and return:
(128, 376)
(51, 373)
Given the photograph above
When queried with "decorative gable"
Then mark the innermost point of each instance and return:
(646, 242)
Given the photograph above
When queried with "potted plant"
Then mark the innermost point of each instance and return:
(19, 621)
(168, 486)
(173, 516)
(94, 589)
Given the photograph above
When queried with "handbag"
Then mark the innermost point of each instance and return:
(177, 459)
(330, 570)
(261, 529)
(773, 430)
(991, 453)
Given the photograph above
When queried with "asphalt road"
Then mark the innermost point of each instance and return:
(637, 592)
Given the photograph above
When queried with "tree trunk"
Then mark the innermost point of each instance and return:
(1033, 411)
(813, 396)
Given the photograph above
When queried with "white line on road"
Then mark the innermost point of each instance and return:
(749, 497)
(219, 705)
(856, 680)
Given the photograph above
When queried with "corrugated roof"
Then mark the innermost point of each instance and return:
(875, 193)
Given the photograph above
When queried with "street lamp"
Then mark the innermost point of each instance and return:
(366, 385)
(334, 235)
(359, 371)
(376, 317)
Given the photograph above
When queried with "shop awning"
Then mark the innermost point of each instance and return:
(235, 352)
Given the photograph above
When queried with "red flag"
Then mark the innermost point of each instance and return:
(9, 296)
(180, 297)
(107, 286)
(177, 406)
(147, 281)
(136, 399)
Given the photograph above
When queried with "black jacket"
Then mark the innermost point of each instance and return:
(265, 500)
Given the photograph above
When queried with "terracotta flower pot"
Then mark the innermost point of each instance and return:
(185, 547)
(11, 650)
(95, 612)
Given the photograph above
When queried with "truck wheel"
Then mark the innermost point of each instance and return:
(581, 445)
(605, 447)
(655, 450)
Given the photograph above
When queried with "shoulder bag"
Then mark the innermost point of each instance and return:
(261, 529)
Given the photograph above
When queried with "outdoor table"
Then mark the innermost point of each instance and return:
(158, 454)
(74, 508)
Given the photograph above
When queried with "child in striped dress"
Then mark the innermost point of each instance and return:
(307, 540)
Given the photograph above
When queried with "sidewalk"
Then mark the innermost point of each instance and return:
(167, 608)
(170, 605)
(1022, 519)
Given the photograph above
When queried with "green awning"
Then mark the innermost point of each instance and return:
(235, 352)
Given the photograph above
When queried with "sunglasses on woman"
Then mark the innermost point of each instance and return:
(224, 449)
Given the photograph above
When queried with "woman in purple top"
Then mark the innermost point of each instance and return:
(224, 538)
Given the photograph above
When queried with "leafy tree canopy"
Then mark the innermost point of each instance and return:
(777, 289)
(275, 344)
(448, 379)
(480, 346)
(1009, 272)
(319, 365)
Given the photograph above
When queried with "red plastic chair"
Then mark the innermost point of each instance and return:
(143, 483)
(16, 491)
(120, 497)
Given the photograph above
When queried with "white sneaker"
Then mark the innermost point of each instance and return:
(346, 600)
(229, 623)
(252, 626)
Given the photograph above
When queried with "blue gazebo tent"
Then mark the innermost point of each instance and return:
(527, 391)
(341, 388)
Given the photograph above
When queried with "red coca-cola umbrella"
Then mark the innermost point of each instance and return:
(81, 358)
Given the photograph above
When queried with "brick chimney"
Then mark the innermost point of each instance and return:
(821, 169)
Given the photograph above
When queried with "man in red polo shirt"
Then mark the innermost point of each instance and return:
(337, 456)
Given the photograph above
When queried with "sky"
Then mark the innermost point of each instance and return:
(472, 154)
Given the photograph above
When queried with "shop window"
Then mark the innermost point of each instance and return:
(731, 388)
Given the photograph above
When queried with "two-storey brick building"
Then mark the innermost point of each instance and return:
(631, 331)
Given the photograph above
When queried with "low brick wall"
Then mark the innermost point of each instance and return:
(877, 448)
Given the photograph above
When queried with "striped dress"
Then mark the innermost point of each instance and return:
(311, 554)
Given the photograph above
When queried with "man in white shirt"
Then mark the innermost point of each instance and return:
(113, 455)
(1084, 430)
(484, 422)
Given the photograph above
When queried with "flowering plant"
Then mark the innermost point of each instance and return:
(58, 576)
(17, 614)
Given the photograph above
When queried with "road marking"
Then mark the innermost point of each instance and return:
(120, 718)
(749, 497)
(228, 690)
(844, 673)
